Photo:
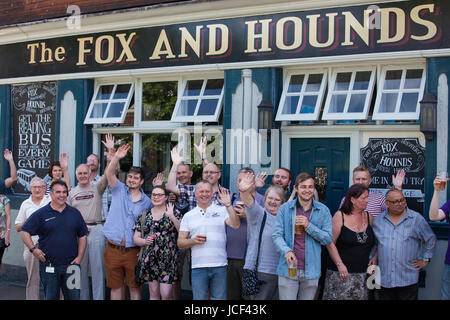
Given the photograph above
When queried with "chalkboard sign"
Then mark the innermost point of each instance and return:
(34, 114)
(386, 156)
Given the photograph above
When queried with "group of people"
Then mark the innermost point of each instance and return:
(281, 234)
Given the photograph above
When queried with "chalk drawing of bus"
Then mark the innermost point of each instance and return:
(25, 177)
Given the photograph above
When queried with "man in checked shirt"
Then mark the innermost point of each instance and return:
(405, 245)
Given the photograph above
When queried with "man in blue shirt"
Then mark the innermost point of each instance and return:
(128, 202)
(405, 245)
(62, 241)
(5, 184)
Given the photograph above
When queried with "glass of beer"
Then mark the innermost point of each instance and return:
(239, 204)
(292, 269)
(202, 233)
(443, 175)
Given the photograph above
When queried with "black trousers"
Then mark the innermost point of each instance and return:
(399, 293)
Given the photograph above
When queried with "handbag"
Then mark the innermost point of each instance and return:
(250, 282)
(3, 244)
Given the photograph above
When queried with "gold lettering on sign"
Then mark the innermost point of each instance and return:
(252, 36)
(432, 29)
(313, 30)
(298, 30)
(361, 30)
(186, 37)
(82, 50)
(110, 49)
(163, 41)
(386, 27)
(213, 39)
(126, 50)
(60, 54)
(32, 47)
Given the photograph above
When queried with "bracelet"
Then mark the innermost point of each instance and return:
(338, 264)
(228, 206)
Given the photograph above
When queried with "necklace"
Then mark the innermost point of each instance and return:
(361, 237)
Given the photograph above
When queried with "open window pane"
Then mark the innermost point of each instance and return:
(351, 96)
(193, 88)
(302, 96)
(413, 78)
(308, 104)
(110, 103)
(314, 82)
(409, 102)
(337, 103)
(401, 91)
(214, 87)
(201, 101)
(295, 85)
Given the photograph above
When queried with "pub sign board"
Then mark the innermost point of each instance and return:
(386, 156)
(34, 114)
(382, 27)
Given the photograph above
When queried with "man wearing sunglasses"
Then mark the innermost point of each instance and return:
(405, 245)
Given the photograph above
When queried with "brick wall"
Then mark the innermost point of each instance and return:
(22, 11)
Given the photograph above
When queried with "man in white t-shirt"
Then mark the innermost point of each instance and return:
(87, 198)
(37, 200)
(203, 230)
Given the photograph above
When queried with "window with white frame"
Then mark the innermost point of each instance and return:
(302, 96)
(349, 94)
(110, 103)
(399, 93)
(199, 100)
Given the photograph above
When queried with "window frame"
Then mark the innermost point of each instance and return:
(94, 100)
(396, 114)
(320, 94)
(345, 115)
(196, 118)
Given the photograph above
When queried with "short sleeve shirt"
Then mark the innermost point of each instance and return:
(446, 209)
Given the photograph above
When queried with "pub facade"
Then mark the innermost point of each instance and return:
(315, 86)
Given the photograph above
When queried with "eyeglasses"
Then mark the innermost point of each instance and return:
(38, 187)
(210, 172)
(158, 195)
(397, 201)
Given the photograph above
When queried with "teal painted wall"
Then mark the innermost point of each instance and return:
(435, 67)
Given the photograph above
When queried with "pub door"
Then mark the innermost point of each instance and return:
(328, 160)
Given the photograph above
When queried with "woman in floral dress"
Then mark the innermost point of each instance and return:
(5, 223)
(158, 263)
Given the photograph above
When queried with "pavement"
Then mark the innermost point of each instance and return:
(11, 291)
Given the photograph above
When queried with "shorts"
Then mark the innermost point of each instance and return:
(119, 267)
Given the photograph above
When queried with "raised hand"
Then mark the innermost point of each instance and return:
(109, 143)
(8, 155)
(158, 180)
(201, 147)
(260, 179)
(122, 151)
(169, 211)
(398, 179)
(177, 158)
(64, 161)
(247, 182)
(224, 197)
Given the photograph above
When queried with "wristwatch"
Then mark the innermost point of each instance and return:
(32, 249)
(426, 259)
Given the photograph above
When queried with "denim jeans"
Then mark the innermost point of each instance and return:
(64, 277)
(212, 279)
(445, 290)
(297, 288)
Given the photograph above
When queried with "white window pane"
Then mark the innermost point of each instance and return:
(207, 107)
(342, 81)
(314, 82)
(388, 102)
(413, 78)
(98, 110)
(392, 80)
(362, 80)
(213, 87)
(290, 104)
(337, 103)
(122, 91)
(308, 104)
(193, 88)
(357, 102)
(104, 93)
(409, 102)
(116, 109)
(187, 107)
(296, 82)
